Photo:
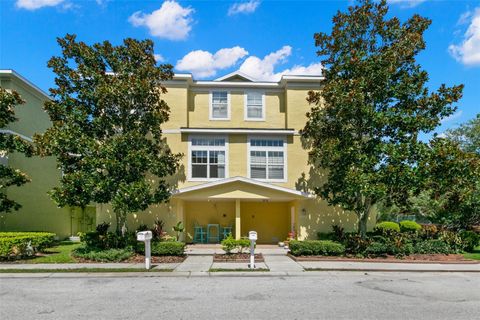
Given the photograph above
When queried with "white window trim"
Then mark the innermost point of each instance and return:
(206, 148)
(266, 148)
(245, 108)
(210, 112)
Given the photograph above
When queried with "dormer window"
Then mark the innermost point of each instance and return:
(219, 105)
(255, 106)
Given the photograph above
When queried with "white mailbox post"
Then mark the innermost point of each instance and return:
(252, 236)
(146, 236)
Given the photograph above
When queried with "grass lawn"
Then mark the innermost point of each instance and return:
(13, 270)
(57, 254)
(475, 255)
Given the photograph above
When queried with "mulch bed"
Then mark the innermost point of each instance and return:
(157, 259)
(237, 257)
(414, 258)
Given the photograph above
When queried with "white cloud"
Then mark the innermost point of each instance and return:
(468, 52)
(37, 4)
(452, 117)
(159, 58)
(205, 64)
(264, 69)
(171, 21)
(243, 7)
(407, 3)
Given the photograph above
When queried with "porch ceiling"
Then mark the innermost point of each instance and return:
(239, 188)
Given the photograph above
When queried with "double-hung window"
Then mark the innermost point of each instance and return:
(208, 158)
(219, 105)
(254, 106)
(267, 159)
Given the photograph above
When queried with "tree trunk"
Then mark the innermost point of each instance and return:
(362, 223)
(121, 218)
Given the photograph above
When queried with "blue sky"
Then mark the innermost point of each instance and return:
(211, 38)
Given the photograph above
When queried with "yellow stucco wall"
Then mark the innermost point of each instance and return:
(38, 212)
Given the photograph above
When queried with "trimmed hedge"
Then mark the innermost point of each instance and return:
(387, 226)
(316, 248)
(164, 248)
(17, 244)
(168, 248)
(409, 226)
(110, 255)
(432, 247)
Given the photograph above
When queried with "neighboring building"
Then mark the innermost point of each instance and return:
(244, 165)
(38, 212)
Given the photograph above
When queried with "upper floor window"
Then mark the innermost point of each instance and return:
(254, 106)
(219, 105)
(208, 158)
(267, 159)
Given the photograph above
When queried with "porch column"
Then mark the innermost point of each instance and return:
(292, 219)
(180, 215)
(238, 228)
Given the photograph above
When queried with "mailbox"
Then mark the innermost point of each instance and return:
(252, 236)
(144, 235)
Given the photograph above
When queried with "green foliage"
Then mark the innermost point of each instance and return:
(106, 255)
(168, 248)
(157, 231)
(453, 185)
(109, 240)
(316, 247)
(432, 246)
(387, 226)
(229, 244)
(243, 244)
(102, 228)
(363, 128)
(178, 228)
(10, 143)
(107, 113)
(467, 135)
(452, 239)
(409, 226)
(18, 244)
(470, 240)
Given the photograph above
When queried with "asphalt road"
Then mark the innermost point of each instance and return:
(326, 295)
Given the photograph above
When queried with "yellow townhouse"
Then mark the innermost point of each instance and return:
(244, 166)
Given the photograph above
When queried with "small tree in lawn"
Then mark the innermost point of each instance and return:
(107, 111)
(10, 143)
(363, 130)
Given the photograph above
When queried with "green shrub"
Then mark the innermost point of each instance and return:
(452, 239)
(109, 240)
(325, 236)
(316, 248)
(228, 244)
(243, 244)
(470, 240)
(354, 244)
(377, 249)
(17, 244)
(387, 226)
(108, 255)
(409, 226)
(432, 247)
(168, 248)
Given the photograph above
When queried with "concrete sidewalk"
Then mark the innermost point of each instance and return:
(276, 264)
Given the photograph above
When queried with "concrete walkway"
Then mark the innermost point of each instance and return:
(195, 264)
(282, 263)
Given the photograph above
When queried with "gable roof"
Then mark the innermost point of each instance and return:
(236, 75)
(9, 73)
(241, 193)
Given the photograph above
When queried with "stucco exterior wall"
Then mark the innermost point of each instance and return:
(38, 212)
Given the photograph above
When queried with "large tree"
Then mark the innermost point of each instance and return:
(107, 111)
(10, 142)
(363, 128)
(467, 135)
